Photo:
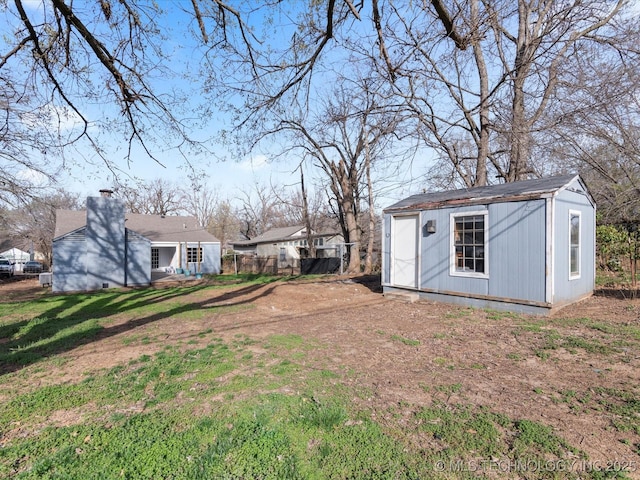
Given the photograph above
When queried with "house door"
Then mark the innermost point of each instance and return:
(405, 251)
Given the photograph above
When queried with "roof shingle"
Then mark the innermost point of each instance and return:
(157, 228)
(488, 194)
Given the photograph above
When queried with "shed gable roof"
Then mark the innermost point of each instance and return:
(156, 228)
(513, 191)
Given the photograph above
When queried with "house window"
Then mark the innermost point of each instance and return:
(155, 258)
(318, 242)
(194, 255)
(469, 244)
(283, 254)
(574, 244)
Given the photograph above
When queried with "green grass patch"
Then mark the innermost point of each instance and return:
(407, 341)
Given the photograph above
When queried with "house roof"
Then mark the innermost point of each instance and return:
(8, 244)
(157, 228)
(274, 234)
(280, 235)
(512, 191)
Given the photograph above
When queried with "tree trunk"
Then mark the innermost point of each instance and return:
(307, 220)
(519, 137)
(483, 78)
(368, 261)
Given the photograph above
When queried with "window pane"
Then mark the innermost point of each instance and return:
(575, 229)
(574, 244)
(469, 243)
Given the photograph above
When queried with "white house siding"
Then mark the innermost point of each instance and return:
(69, 261)
(138, 272)
(211, 261)
(105, 243)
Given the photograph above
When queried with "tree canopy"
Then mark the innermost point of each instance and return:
(493, 90)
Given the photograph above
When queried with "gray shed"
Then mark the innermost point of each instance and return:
(525, 246)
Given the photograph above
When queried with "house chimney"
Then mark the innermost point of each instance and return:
(105, 192)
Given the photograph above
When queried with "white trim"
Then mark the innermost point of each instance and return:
(550, 272)
(452, 249)
(383, 260)
(578, 214)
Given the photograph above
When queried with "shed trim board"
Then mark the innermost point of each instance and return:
(524, 257)
(549, 269)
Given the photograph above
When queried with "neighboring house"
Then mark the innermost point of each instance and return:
(525, 246)
(17, 257)
(105, 247)
(290, 244)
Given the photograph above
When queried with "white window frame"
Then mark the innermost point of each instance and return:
(195, 252)
(575, 275)
(452, 244)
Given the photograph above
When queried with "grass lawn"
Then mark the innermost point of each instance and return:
(248, 406)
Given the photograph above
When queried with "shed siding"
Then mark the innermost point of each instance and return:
(105, 243)
(517, 250)
(567, 290)
(436, 256)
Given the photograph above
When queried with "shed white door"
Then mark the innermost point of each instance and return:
(405, 251)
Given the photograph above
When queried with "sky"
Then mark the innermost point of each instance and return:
(85, 173)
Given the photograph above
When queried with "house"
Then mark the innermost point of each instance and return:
(16, 256)
(290, 244)
(105, 247)
(526, 246)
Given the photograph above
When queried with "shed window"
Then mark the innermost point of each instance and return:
(469, 244)
(574, 244)
(194, 254)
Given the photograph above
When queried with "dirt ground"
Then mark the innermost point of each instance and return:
(406, 355)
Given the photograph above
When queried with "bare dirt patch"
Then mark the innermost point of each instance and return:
(401, 356)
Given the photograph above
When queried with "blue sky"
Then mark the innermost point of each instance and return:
(85, 173)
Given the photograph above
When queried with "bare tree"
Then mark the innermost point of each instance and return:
(225, 222)
(342, 140)
(155, 197)
(35, 222)
(479, 76)
(260, 210)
